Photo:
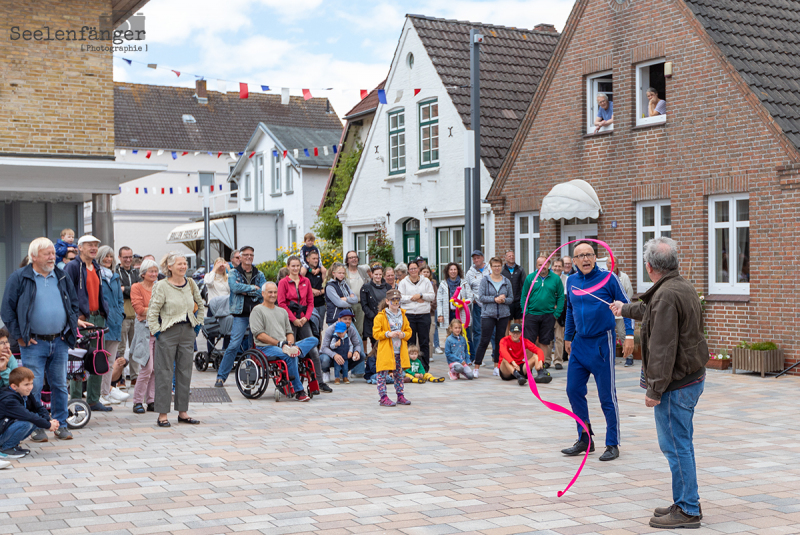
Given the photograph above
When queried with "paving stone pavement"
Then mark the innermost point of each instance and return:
(467, 456)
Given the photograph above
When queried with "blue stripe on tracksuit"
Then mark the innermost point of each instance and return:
(591, 327)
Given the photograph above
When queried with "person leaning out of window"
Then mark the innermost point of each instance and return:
(655, 106)
(605, 113)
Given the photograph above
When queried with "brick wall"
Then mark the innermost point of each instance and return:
(714, 141)
(55, 98)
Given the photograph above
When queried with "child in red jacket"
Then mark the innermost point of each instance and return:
(512, 358)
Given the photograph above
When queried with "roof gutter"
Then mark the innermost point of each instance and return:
(360, 114)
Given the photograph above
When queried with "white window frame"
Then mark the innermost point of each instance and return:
(247, 189)
(289, 174)
(657, 229)
(725, 288)
(291, 236)
(360, 250)
(233, 182)
(397, 141)
(533, 237)
(449, 248)
(428, 125)
(276, 173)
(592, 90)
(642, 84)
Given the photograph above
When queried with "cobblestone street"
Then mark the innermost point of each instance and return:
(480, 456)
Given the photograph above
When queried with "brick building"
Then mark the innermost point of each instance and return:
(57, 121)
(719, 172)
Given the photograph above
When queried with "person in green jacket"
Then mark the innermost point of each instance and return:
(542, 306)
(416, 373)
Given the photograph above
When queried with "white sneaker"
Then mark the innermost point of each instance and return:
(326, 377)
(496, 372)
(475, 372)
(118, 394)
(109, 400)
(4, 464)
(438, 351)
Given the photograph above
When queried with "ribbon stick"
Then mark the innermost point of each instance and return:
(461, 306)
(532, 384)
(584, 292)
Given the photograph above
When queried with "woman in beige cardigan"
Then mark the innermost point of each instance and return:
(176, 311)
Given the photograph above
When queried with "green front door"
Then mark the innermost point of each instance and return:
(410, 240)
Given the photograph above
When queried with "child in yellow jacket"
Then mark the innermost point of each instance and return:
(392, 331)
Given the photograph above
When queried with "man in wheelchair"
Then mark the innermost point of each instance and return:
(273, 336)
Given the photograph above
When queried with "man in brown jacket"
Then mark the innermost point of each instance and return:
(674, 354)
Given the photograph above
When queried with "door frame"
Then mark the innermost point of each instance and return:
(407, 256)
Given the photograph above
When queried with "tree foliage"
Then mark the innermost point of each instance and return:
(327, 226)
(381, 247)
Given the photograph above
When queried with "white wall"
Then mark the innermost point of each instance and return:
(258, 231)
(374, 192)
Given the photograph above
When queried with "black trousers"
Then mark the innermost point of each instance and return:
(421, 335)
(489, 326)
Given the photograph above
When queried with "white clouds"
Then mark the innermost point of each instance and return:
(514, 13)
(173, 22)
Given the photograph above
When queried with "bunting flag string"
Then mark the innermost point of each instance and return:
(307, 151)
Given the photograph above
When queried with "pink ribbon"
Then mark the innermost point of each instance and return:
(532, 384)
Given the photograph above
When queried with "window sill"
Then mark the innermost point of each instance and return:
(395, 178)
(427, 171)
(723, 298)
(275, 194)
(645, 126)
(599, 134)
(288, 192)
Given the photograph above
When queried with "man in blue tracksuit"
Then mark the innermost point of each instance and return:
(590, 339)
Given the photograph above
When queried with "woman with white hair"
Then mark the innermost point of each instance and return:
(175, 315)
(144, 344)
(112, 291)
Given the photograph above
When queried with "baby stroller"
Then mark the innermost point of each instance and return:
(254, 370)
(217, 324)
(88, 352)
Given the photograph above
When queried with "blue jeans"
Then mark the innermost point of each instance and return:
(305, 347)
(238, 335)
(16, 433)
(674, 426)
(474, 332)
(50, 358)
(356, 367)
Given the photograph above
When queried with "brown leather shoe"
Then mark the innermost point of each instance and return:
(675, 518)
(663, 511)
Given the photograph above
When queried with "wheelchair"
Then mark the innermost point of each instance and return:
(254, 369)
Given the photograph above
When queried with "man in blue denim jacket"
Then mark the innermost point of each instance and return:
(245, 282)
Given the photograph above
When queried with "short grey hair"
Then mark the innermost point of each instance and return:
(401, 267)
(602, 95)
(662, 254)
(264, 286)
(147, 265)
(37, 245)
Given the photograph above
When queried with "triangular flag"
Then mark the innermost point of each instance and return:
(325, 150)
(316, 151)
(416, 92)
(145, 191)
(364, 94)
(129, 61)
(264, 88)
(274, 154)
(188, 190)
(305, 151)
(212, 187)
(196, 153)
(233, 156)
(296, 153)
(174, 155)
(222, 87)
(241, 153)
(382, 96)
(285, 153)
(137, 191)
(160, 152)
(149, 153)
(335, 150)
(210, 153)
(170, 191)
(399, 96)
(185, 153)
(195, 189)
(123, 152)
(136, 152)
(152, 65)
(219, 188)
(306, 94)
(219, 154)
(252, 154)
(284, 95)
(162, 191)
(243, 91)
(178, 73)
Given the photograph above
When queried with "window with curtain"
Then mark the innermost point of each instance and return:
(729, 244)
(429, 134)
(397, 142)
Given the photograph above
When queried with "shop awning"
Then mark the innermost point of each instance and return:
(575, 198)
(192, 234)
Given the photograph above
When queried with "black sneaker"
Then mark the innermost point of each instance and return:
(558, 366)
(15, 452)
(151, 407)
(546, 365)
(578, 448)
(99, 407)
(676, 518)
(543, 377)
(219, 383)
(664, 511)
(611, 453)
(520, 378)
(629, 362)
(325, 388)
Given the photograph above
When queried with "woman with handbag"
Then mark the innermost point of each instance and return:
(144, 344)
(112, 292)
(297, 299)
(175, 316)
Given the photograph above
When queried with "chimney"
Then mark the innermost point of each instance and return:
(200, 92)
(549, 28)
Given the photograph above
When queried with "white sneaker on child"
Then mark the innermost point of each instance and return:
(438, 351)
(109, 401)
(326, 377)
(496, 372)
(475, 372)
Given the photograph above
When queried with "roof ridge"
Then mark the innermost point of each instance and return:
(485, 25)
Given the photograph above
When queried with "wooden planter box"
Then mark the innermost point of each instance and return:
(757, 361)
(719, 364)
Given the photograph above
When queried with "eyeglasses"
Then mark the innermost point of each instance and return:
(585, 256)
(5, 343)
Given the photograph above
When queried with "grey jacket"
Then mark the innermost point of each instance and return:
(352, 333)
(486, 295)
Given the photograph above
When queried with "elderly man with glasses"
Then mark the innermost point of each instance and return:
(590, 339)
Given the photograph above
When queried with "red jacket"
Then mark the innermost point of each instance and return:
(513, 352)
(288, 291)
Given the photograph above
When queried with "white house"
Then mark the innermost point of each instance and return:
(194, 132)
(411, 174)
(281, 175)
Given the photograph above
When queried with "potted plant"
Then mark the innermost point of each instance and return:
(761, 357)
(719, 361)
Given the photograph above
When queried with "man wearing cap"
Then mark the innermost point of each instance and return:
(245, 282)
(84, 272)
(512, 358)
(328, 355)
(474, 276)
